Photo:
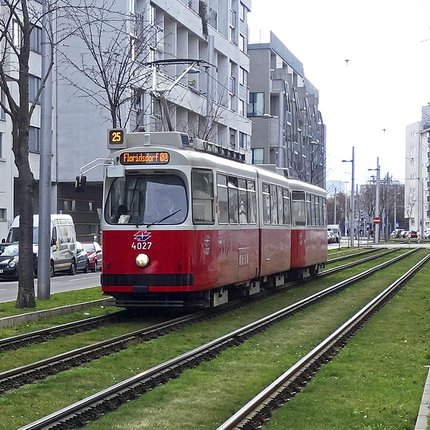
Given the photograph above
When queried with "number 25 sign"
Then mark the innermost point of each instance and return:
(116, 138)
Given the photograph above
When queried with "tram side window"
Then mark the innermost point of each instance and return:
(233, 200)
(281, 217)
(203, 196)
(317, 211)
(309, 209)
(314, 210)
(286, 204)
(298, 208)
(222, 198)
(252, 202)
(274, 205)
(324, 211)
(243, 202)
(266, 204)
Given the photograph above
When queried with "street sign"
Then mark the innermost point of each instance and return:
(376, 220)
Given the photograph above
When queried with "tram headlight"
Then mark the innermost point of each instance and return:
(142, 260)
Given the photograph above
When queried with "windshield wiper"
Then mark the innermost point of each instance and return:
(163, 219)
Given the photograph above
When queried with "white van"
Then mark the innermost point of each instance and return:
(63, 241)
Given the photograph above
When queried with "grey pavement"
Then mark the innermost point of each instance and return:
(423, 413)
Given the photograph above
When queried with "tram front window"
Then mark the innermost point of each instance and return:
(147, 199)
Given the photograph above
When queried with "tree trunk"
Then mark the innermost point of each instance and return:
(25, 190)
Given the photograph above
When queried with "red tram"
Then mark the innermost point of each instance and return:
(183, 227)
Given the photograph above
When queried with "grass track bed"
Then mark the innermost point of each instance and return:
(228, 380)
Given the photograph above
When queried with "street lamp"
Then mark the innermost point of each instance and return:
(423, 134)
(351, 227)
(378, 180)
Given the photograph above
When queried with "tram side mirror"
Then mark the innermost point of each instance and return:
(80, 183)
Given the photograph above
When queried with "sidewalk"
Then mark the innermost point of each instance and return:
(423, 414)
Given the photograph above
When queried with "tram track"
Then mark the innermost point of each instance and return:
(259, 409)
(15, 378)
(38, 336)
(42, 335)
(111, 397)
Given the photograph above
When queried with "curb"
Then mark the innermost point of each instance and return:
(46, 313)
(424, 411)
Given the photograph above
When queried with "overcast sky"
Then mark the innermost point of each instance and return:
(383, 85)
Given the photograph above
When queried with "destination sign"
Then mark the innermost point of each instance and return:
(159, 157)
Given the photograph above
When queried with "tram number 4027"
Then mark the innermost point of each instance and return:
(141, 245)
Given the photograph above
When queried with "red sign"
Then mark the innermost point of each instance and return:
(376, 220)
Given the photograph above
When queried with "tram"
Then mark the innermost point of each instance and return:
(187, 223)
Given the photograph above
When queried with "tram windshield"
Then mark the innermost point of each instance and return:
(147, 199)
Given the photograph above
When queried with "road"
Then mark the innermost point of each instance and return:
(59, 283)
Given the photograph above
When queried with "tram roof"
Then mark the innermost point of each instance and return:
(199, 153)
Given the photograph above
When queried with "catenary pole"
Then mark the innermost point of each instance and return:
(44, 255)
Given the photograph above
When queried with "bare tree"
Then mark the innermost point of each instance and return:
(105, 56)
(20, 23)
(23, 23)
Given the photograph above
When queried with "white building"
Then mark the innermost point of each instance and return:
(213, 31)
(417, 208)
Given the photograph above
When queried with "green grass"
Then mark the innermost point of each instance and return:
(376, 382)
(203, 397)
(56, 300)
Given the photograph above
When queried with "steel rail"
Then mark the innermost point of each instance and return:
(37, 336)
(110, 398)
(348, 256)
(257, 411)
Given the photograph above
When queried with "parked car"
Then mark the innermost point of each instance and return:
(398, 233)
(404, 233)
(9, 261)
(81, 258)
(331, 238)
(335, 231)
(94, 253)
(412, 234)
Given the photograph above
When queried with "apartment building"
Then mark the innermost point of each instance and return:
(288, 130)
(208, 101)
(417, 168)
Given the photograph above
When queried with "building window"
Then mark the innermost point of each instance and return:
(3, 103)
(34, 139)
(243, 140)
(256, 104)
(232, 16)
(241, 108)
(33, 88)
(3, 214)
(1, 146)
(155, 109)
(16, 34)
(232, 138)
(257, 156)
(152, 15)
(131, 6)
(242, 12)
(232, 85)
(243, 77)
(242, 44)
(36, 39)
(213, 18)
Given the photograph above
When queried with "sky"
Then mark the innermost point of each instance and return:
(367, 101)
